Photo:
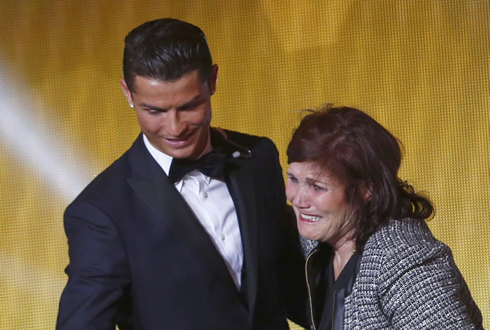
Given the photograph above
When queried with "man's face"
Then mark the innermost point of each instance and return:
(174, 115)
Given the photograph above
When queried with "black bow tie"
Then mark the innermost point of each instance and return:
(211, 164)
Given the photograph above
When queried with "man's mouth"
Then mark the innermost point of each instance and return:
(179, 142)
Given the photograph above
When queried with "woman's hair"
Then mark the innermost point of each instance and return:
(359, 152)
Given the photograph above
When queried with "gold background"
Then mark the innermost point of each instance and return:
(419, 67)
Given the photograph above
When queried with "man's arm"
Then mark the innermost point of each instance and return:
(98, 271)
(291, 261)
(292, 273)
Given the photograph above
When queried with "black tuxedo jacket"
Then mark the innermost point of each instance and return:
(140, 259)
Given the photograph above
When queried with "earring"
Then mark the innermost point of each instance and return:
(131, 105)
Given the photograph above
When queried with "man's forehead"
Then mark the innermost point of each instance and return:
(140, 80)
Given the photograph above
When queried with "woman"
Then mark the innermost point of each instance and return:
(377, 265)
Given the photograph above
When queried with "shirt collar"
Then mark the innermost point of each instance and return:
(161, 158)
(165, 161)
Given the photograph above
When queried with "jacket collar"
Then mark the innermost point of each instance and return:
(151, 183)
(239, 178)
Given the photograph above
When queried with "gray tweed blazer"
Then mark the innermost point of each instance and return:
(408, 280)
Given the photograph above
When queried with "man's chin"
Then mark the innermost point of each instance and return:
(191, 149)
(180, 154)
(189, 152)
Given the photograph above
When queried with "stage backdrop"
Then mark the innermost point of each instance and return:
(421, 68)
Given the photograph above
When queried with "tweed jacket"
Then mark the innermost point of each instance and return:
(407, 279)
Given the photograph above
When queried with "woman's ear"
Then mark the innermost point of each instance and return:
(367, 190)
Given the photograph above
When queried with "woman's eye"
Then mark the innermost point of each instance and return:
(318, 188)
(292, 179)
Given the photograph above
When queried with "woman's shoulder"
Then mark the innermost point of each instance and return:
(403, 264)
(404, 242)
(401, 234)
(405, 245)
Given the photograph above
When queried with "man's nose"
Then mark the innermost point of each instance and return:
(175, 126)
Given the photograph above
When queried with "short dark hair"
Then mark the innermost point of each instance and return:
(166, 49)
(361, 154)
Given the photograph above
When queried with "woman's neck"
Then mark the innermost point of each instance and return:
(343, 251)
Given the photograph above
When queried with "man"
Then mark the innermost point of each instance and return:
(155, 243)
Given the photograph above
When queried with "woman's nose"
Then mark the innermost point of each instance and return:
(301, 199)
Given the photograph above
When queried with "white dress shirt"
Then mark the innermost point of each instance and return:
(211, 202)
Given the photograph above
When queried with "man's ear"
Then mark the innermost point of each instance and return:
(127, 92)
(214, 79)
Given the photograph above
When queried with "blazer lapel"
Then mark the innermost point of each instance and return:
(240, 184)
(171, 211)
(243, 193)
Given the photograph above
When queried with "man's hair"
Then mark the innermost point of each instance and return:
(166, 49)
(361, 154)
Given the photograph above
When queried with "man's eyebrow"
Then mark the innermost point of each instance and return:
(198, 97)
(180, 107)
(152, 107)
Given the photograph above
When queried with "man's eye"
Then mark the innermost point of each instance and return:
(189, 107)
(152, 112)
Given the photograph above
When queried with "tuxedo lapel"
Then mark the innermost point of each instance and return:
(240, 183)
(172, 212)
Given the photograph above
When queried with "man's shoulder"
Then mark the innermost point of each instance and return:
(106, 182)
(258, 145)
(111, 180)
(247, 139)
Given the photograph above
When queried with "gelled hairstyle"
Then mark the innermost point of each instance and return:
(166, 49)
(363, 156)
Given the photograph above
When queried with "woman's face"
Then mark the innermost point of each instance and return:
(319, 202)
